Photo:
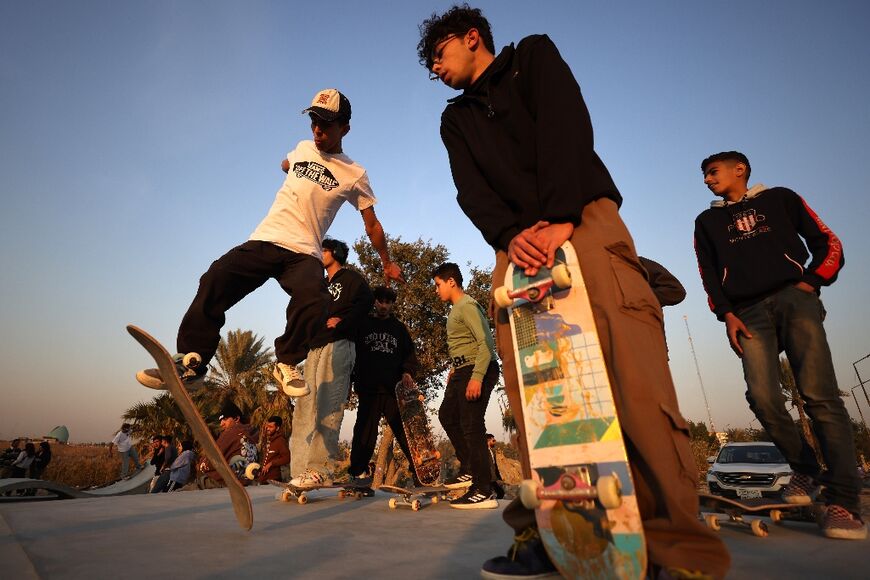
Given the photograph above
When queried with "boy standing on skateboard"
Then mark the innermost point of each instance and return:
(520, 144)
(473, 375)
(385, 355)
(317, 419)
(751, 257)
(286, 247)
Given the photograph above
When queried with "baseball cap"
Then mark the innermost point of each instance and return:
(329, 104)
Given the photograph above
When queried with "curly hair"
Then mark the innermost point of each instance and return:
(458, 20)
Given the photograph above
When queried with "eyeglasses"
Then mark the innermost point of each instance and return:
(438, 54)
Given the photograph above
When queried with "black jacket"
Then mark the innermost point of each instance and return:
(752, 248)
(520, 144)
(384, 350)
(351, 300)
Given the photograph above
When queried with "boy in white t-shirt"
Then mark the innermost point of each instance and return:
(285, 246)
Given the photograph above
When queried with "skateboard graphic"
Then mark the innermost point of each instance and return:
(241, 501)
(425, 457)
(581, 487)
(413, 497)
(300, 494)
(736, 509)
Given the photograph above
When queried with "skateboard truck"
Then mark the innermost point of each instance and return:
(573, 489)
(560, 277)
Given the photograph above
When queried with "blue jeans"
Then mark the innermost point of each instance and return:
(791, 321)
(125, 460)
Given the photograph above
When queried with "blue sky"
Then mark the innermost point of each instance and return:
(140, 141)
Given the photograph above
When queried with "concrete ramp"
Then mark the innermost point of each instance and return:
(137, 483)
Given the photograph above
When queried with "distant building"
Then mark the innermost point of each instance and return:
(59, 434)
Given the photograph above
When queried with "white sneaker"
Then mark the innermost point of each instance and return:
(311, 478)
(291, 380)
(190, 379)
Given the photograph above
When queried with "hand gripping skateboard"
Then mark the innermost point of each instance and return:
(581, 487)
(425, 457)
(241, 501)
(735, 509)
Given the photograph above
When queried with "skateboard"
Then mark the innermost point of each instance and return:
(425, 457)
(300, 494)
(735, 509)
(581, 487)
(413, 497)
(241, 501)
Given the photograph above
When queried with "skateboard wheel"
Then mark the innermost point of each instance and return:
(502, 297)
(393, 503)
(285, 495)
(416, 505)
(775, 516)
(529, 493)
(342, 494)
(561, 276)
(712, 522)
(609, 491)
(435, 499)
(303, 499)
(251, 470)
(191, 360)
(759, 528)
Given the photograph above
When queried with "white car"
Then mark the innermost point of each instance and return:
(748, 470)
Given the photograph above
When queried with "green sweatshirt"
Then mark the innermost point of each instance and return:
(469, 340)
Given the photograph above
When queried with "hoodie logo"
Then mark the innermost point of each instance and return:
(747, 225)
(315, 172)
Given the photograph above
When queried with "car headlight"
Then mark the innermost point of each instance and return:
(783, 474)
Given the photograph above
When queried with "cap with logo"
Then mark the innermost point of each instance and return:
(329, 105)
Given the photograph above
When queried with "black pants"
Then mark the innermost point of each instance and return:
(238, 273)
(372, 407)
(463, 420)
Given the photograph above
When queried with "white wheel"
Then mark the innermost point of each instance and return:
(502, 297)
(776, 516)
(251, 469)
(609, 491)
(393, 503)
(191, 360)
(285, 495)
(435, 499)
(561, 276)
(759, 528)
(529, 493)
(416, 505)
(303, 499)
(712, 522)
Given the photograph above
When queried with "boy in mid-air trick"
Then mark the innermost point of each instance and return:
(752, 262)
(286, 246)
(520, 144)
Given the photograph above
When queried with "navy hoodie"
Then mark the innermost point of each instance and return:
(752, 248)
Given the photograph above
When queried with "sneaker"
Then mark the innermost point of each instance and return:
(291, 380)
(311, 478)
(191, 380)
(802, 489)
(464, 480)
(474, 499)
(362, 480)
(527, 558)
(838, 522)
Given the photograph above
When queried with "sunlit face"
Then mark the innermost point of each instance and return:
(383, 309)
(453, 63)
(725, 178)
(271, 428)
(228, 422)
(328, 258)
(443, 288)
(327, 134)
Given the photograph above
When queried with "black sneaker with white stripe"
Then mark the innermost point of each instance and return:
(463, 480)
(475, 499)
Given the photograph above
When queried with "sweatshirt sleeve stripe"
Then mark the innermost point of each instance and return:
(833, 260)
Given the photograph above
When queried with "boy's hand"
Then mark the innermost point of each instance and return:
(734, 327)
(333, 322)
(472, 391)
(285, 165)
(527, 251)
(393, 272)
(553, 236)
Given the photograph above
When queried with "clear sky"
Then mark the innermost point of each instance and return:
(141, 140)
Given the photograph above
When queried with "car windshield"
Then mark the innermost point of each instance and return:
(750, 454)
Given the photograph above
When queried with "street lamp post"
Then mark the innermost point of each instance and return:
(859, 406)
(860, 382)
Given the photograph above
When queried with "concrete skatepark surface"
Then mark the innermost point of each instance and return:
(195, 535)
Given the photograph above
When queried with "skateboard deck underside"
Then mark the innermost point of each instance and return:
(571, 427)
(758, 506)
(240, 499)
(424, 455)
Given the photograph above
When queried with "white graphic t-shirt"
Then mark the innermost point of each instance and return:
(305, 206)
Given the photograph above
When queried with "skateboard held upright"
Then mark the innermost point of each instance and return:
(425, 457)
(581, 487)
(241, 501)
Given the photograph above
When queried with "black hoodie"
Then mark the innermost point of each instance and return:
(752, 248)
